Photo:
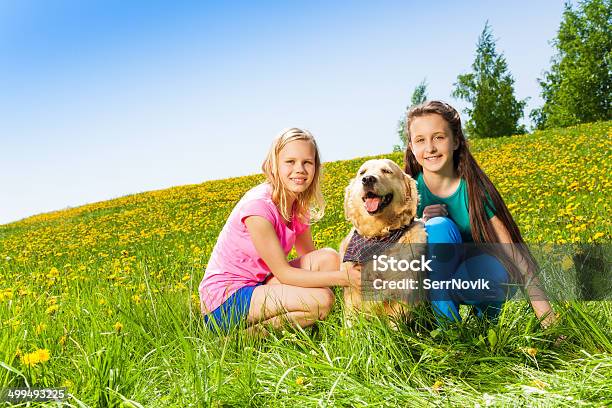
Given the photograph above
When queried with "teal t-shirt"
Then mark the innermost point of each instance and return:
(456, 204)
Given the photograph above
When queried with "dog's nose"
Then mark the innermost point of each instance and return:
(368, 180)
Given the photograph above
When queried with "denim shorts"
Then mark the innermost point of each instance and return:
(233, 311)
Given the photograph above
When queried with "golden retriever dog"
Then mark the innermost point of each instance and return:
(381, 203)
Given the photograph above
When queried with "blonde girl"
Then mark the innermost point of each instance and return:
(249, 278)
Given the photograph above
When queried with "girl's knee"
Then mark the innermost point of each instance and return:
(487, 267)
(324, 299)
(328, 259)
(486, 271)
(442, 230)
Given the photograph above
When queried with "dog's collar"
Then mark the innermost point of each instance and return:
(361, 249)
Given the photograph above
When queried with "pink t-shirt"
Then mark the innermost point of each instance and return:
(234, 262)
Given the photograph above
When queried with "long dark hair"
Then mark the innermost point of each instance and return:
(478, 184)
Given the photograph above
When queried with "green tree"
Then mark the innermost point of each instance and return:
(578, 87)
(489, 89)
(419, 95)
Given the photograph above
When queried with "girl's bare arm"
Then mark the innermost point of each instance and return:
(542, 308)
(268, 246)
(303, 243)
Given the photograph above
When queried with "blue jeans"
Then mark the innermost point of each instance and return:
(452, 261)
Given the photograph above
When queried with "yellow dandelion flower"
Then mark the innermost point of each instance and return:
(299, 380)
(101, 301)
(598, 235)
(53, 273)
(137, 299)
(27, 361)
(186, 277)
(437, 385)
(118, 327)
(30, 359)
(43, 355)
(52, 309)
(67, 384)
(6, 294)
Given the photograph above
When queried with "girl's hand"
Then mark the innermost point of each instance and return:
(353, 277)
(436, 210)
(549, 320)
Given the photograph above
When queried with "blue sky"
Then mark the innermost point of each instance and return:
(101, 99)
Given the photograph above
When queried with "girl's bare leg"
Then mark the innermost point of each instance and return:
(275, 303)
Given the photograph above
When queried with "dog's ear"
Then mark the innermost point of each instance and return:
(412, 195)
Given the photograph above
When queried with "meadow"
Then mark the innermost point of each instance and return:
(102, 300)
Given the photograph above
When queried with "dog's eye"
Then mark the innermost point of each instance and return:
(387, 171)
(362, 172)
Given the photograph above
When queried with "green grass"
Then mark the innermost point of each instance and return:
(93, 260)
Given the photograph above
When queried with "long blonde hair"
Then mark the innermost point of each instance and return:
(308, 205)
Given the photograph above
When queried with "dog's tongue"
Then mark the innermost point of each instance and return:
(372, 204)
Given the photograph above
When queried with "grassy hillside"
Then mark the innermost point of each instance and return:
(102, 299)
